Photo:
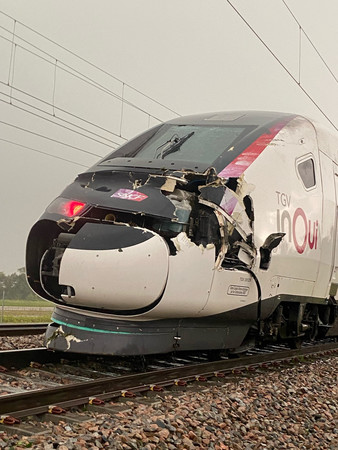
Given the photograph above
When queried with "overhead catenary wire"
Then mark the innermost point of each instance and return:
(43, 153)
(36, 106)
(88, 122)
(310, 41)
(76, 74)
(12, 49)
(112, 145)
(282, 65)
(49, 138)
(88, 81)
(11, 97)
(89, 63)
(80, 75)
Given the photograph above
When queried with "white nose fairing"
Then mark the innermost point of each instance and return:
(114, 267)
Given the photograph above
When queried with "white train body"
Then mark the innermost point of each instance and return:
(201, 255)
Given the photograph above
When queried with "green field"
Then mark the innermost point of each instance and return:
(9, 317)
(25, 316)
(32, 303)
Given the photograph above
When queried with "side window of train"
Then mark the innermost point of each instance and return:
(306, 171)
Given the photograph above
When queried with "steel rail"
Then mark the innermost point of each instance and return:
(23, 357)
(40, 401)
(22, 329)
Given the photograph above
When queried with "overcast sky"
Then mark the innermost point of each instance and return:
(190, 55)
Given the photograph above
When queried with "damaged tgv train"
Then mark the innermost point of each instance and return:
(205, 232)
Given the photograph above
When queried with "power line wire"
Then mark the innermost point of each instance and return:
(56, 117)
(88, 122)
(43, 153)
(50, 139)
(312, 44)
(59, 65)
(280, 62)
(89, 63)
(76, 74)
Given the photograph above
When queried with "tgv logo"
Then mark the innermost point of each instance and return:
(298, 228)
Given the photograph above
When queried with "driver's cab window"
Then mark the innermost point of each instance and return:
(306, 172)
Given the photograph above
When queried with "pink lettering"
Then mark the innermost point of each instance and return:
(291, 227)
(299, 213)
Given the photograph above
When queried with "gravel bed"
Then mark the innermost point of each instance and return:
(290, 408)
(17, 342)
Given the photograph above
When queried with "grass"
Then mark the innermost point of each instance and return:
(25, 316)
(32, 303)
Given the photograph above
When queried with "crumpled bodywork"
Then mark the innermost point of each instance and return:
(209, 210)
(209, 203)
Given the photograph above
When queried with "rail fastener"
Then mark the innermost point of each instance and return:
(9, 420)
(95, 401)
(200, 378)
(219, 374)
(35, 365)
(276, 363)
(180, 382)
(156, 388)
(128, 394)
(265, 365)
(54, 409)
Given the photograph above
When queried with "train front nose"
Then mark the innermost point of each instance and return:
(113, 267)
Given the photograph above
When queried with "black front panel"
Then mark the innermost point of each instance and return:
(97, 236)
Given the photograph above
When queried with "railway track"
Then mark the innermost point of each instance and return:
(107, 386)
(22, 329)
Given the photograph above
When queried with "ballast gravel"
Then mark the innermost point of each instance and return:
(17, 342)
(293, 407)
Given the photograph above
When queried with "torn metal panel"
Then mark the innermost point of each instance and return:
(69, 339)
(209, 211)
(224, 247)
(232, 223)
(231, 200)
(169, 185)
(182, 242)
(213, 192)
(246, 253)
(235, 201)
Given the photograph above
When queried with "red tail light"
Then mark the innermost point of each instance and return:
(66, 207)
(73, 208)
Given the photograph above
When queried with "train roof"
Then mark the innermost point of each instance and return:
(230, 133)
(247, 118)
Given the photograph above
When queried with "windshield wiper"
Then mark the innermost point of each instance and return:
(174, 145)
